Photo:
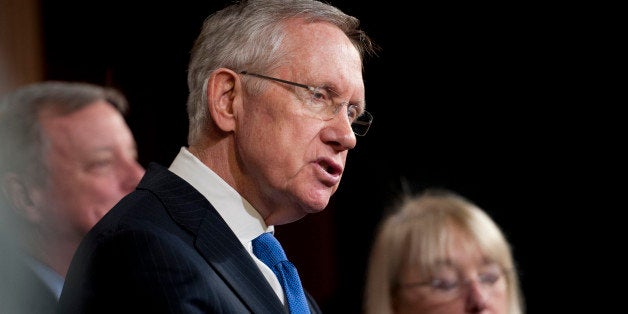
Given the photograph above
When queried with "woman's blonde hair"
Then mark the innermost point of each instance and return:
(418, 233)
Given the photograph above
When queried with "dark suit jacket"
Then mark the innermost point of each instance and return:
(165, 249)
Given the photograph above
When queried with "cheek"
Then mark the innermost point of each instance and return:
(257, 134)
(266, 141)
(102, 195)
(500, 300)
(85, 203)
(92, 206)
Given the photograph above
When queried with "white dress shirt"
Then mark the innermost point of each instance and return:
(51, 278)
(239, 215)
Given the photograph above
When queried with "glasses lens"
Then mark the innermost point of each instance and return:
(362, 124)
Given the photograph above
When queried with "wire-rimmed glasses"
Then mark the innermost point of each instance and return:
(448, 283)
(320, 102)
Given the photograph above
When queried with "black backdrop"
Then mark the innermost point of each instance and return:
(465, 97)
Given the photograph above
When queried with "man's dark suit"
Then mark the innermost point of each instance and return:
(165, 249)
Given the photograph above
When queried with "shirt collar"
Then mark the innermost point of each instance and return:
(237, 212)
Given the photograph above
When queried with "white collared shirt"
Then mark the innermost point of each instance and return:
(240, 216)
(51, 278)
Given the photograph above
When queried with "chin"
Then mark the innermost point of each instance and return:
(317, 198)
(317, 203)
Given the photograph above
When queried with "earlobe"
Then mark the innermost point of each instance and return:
(21, 197)
(223, 92)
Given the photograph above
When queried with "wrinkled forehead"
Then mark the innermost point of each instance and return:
(321, 51)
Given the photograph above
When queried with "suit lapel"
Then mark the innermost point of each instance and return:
(215, 241)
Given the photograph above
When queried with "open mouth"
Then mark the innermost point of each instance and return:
(330, 168)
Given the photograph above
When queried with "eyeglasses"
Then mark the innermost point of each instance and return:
(448, 283)
(320, 103)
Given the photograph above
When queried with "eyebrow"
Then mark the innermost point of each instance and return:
(361, 103)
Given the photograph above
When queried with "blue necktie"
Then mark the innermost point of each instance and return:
(268, 250)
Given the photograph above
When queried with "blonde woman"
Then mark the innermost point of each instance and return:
(440, 253)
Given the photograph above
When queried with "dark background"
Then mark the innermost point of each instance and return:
(478, 99)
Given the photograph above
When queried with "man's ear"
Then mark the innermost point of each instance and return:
(21, 196)
(223, 92)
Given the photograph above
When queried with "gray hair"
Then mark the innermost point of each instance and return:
(248, 35)
(20, 130)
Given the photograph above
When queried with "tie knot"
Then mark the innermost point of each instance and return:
(268, 250)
